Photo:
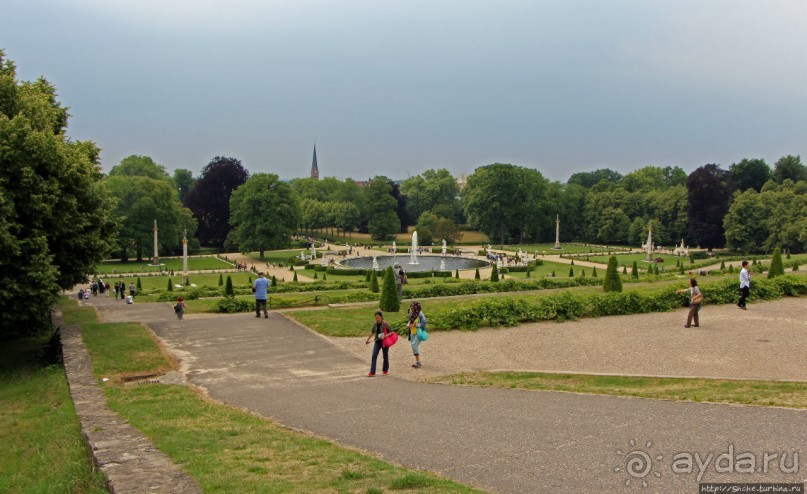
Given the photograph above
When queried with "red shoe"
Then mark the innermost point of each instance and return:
(371, 374)
(385, 373)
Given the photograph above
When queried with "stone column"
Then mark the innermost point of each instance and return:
(650, 243)
(557, 232)
(156, 259)
(185, 258)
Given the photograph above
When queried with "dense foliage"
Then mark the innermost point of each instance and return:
(54, 210)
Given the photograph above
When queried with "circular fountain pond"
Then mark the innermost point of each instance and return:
(425, 263)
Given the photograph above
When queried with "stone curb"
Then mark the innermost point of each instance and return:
(128, 460)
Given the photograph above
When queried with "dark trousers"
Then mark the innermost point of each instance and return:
(743, 295)
(693, 314)
(258, 305)
(378, 347)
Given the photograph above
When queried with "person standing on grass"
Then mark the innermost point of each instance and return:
(745, 285)
(417, 320)
(695, 302)
(261, 288)
(377, 334)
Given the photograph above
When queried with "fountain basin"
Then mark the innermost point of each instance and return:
(425, 263)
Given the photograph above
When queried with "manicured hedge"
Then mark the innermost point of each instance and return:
(568, 305)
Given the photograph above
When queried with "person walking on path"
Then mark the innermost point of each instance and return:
(400, 279)
(260, 288)
(417, 321)
(132, 289)
(745, 285)
(377, 334)
(179, 308)
(695, 302)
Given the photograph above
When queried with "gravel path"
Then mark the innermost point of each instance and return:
(765, 342)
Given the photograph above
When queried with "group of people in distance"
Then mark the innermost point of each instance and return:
(696, 297)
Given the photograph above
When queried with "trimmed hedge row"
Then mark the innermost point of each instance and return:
(452, 287)
(567, 305)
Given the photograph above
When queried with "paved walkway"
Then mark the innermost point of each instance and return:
(501, 440)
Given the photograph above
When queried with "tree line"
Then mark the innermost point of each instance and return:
(60, 214)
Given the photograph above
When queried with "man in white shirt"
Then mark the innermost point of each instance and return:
(745, 285)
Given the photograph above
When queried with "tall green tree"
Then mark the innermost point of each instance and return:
(265, 214)
(209, 200)
(433, 190)
(750, 174)
(138, 202)
(709, 191)
(54, 209)
(139, 166)
(789, 167)
(590, 179)
(380, 209)
(506, 201)
(183, 182)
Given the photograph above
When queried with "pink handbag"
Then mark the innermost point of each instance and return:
(390, 339)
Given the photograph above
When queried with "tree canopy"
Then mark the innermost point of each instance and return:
(709, 190)
(54, 210)
(264, 214)
(209, 200)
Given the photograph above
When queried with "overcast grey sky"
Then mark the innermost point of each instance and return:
(397, 87)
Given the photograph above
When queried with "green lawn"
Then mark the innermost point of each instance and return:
(766, 393)
(549, 249)
(224, 449)
(43, 450)
(174, 263)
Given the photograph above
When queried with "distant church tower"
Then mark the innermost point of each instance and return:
(314, 167)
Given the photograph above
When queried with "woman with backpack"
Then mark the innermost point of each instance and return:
(417, 330)
(695, 301)
(380, 331)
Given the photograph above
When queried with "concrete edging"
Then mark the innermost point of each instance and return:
(128, 459)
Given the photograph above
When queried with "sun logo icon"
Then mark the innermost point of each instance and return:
(637, 463)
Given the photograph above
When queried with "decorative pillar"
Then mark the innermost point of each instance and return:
(557, 232)
(156, 259)
(185, 258)
(650, 243)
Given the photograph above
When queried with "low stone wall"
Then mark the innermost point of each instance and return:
(128, 460)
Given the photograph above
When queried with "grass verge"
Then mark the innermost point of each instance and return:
(224, 449)
(764, 393)
(43, 450)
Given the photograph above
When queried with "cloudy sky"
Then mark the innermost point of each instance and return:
(395, 87)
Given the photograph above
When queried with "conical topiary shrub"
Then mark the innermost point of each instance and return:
(274, 281)
(624, 269)
(315, 275)
(374, 282)
(368, 275)
(389, 295)
(681, 269)
(295, 277)
(777, 268)
(139, 286)
(731, 268)
(170, 285)
(529, 272)
(228, 288)
(634, 271)
(655, 269)
(571, 272)
(476, 276)
(612, 282)
(594, 272)
(582, 273)
(324, 276)
(795, 265)
(457, 273)
(221, 279)
(722, 265)
(494, 274)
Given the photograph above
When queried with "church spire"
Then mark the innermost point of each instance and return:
(314, 167)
